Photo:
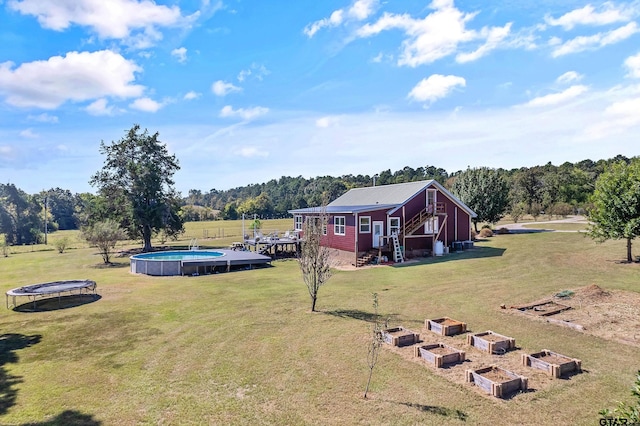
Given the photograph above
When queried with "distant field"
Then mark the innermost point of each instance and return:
(243, 348)
(559, 226)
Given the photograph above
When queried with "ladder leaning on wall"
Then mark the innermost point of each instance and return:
(397, 252)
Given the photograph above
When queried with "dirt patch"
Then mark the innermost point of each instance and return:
(610, 314)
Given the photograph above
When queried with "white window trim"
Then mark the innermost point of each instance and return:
(368, 224)
(336, 226)
(391, 227)
(297, 222)
(436, 226)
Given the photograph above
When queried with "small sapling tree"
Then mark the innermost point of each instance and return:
(375, 342)
(104, 235)
(314, 258)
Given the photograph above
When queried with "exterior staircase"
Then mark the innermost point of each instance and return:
(413, 224)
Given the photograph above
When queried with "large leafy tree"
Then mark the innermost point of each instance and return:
(616, 204)
(137, 182)
(20, 219)
(485, 191)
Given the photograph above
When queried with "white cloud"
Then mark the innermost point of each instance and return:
(435, 87)
(252, 152)
(569, 77)
(327, 121)
(362, 9)
(146, 105)
(134, 21)
(332, 21)
(180, 54)
(100, 107)
(359, 11)
(258, 71)
(557, 98)
(608, 13)
(438, 35)
(595, 41)
(633, 65)
(618, 118)
(44, 118)
(494, 38)
(78, 76)
(191, 96)
(29, 134)
(222, 88)
(245, 114)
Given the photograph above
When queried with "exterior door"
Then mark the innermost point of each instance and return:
(378, 231)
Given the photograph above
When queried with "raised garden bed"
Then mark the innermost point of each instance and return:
(552, 363)
(399, 336)
(440, 354)
(445, 326)
(491, 342)
(497, 381)
(544, 308)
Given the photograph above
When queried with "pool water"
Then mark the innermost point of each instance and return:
(177, 255)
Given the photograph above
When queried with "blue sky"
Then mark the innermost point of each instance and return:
(247, 91)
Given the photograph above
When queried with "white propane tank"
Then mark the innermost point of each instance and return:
(439, 248)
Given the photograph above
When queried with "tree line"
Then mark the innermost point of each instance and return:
(549, 189)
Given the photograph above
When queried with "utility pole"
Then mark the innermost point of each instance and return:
(46, 199)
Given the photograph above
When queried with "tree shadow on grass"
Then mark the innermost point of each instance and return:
(112, 265)
(68, 418)
(434, 409)
(9, 343)
(57, 303)
(358, 314)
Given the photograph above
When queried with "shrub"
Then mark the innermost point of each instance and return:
(61, 244)
(486, 226)
(5, 248)
(474, 234)
(502, 231)
(486, 232)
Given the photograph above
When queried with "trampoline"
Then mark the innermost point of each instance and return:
(50, 289)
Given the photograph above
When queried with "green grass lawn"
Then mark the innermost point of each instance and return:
(559, 226)
(243, 348)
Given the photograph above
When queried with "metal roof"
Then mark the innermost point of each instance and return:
(343, 209)
(393, 195)
(382, 197)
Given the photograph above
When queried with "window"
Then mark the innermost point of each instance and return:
(431, 200)
(365, 225)
(315, 222)
(394, 225)
(431, 226)
(297, 223)
(338, 225)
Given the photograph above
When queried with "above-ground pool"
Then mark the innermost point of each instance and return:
(194, 262)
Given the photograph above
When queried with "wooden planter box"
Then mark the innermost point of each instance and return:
(554, 364)
(440, 354)
(496, 381)
(399, 336)
(491, 342)
(445, 326)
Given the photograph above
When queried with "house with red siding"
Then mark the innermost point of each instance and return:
(403, 220)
